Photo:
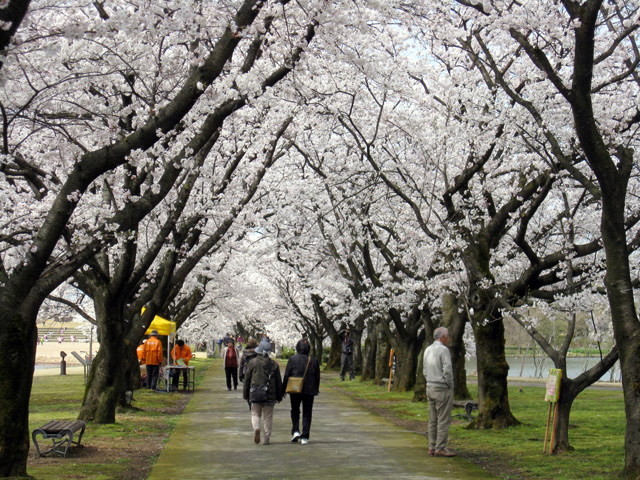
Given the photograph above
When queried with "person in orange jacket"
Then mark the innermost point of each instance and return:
(153, 359)
(181, 351)
(140, 354)
(140, 351)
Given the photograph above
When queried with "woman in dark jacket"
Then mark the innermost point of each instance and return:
(247, 354)
(310, 388)
(262, 371)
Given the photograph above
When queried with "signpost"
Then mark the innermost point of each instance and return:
(390, 369)
(552, 395)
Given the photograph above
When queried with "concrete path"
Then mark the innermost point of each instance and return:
(214, 440)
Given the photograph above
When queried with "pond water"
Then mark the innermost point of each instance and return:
(520, 366)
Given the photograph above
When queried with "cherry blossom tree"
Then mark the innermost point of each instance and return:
(579, 60)
(92, 115)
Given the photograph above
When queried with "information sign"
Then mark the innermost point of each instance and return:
(553, 385)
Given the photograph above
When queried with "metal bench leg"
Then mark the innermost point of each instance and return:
(35, 441)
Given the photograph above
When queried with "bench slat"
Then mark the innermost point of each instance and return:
(56, 426)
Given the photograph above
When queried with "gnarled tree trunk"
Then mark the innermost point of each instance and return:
(106, 383)
(18, 340)
(493, 396)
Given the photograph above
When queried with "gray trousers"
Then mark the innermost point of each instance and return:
(347, 362)
(440, 404)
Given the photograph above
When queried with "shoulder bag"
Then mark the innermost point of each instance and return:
(294, 384)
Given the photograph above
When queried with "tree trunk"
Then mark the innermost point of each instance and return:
(420, 388)
(335, 353)
(106, 383)
(357, 350)
(493, 398)
(335, 350)
(133, 380)
(383, 349)
(18, 339)
(369, 355)
(625, 326)
(455, 323)
(568, 393)
(316, 347)
(406, 362)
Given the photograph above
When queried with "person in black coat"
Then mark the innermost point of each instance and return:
(310, 388)
(346, 361)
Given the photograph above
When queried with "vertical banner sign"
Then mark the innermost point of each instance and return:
(391, 353)
(552, 395)
(553, 385)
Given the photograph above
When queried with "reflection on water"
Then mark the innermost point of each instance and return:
(46, 365)
(528, 367)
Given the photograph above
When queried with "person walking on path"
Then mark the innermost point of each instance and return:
(230, 362)
(302, 364)
(347, 355)
(248, 353)
(181, 352)
(263, 388)
(153, 359)
(438, 371)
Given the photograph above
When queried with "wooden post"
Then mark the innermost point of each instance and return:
(546, 432)
(552, 443)
(390, 369)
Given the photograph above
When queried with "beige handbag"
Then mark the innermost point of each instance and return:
(294, 384)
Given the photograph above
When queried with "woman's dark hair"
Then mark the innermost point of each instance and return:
(303, 347)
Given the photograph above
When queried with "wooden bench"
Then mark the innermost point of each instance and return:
(61, 434)
(469, 406)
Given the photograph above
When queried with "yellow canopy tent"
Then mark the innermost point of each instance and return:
(164, 326)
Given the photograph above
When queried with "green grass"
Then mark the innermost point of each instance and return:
(597, 432)
(124, 450)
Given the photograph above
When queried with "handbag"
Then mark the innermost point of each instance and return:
(259, 393)
(294, 384)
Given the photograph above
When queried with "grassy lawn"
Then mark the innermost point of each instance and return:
(124, 450)
(597, 433)
(127, 449)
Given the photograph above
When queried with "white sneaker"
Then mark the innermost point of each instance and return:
(304, 441)
(296, 436)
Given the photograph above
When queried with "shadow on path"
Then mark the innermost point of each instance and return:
(214, 440)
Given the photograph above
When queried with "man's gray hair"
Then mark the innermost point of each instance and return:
(440, 332)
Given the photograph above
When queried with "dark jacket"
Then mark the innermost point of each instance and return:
(347, 345)
(257, 374)
(247, 354)
(295, 368)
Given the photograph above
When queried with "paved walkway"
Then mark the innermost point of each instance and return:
(214, 440)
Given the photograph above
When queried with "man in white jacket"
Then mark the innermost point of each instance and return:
(438, 372)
